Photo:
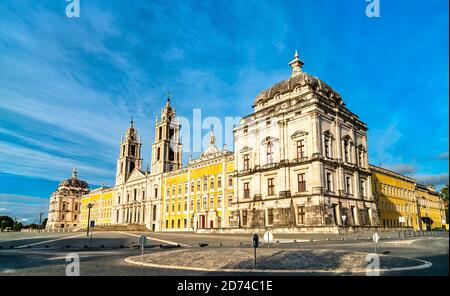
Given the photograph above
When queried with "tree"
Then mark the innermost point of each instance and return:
(6, 221)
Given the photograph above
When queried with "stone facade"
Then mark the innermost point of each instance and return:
(301, 159)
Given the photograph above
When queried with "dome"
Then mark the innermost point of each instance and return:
(74, 182)
(299, 80)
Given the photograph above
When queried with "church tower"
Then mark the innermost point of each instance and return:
(130, 155)
(167, 148)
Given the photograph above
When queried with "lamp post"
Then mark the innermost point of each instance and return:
(40, 221)
(89, 206)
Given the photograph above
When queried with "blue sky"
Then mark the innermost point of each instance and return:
(68, 86)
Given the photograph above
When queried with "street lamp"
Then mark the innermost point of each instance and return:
(89, 206)
(40, 221)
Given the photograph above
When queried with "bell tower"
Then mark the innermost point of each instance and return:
(130, 155)
(167, 148)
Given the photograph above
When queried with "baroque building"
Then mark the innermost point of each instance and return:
(65, 203)
(301, 159)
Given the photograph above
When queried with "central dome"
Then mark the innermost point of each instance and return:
(299, 80)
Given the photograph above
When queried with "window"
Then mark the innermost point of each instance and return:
(185, 188)
(246, 162)
(244, 217)
(63, 217)
(173, 190)
(179, 189)
(328, 181)
(173, 223)
(76, 207)
(327, 146)
(192, 186)
(211, 186)
(158, 153)
(75, 217)
(301, 214)
(301, 182)
(156, 192)
(246, 190)
(219, 201)
(167, 206)
(211, 203)
(185, 223)
(269, 152)
(198, 185)
(205, 184)
(160, 133)
(178, 223)
(133, 150)
(348, 185)
(270, 187)
(230, 181)
(64, 206)
(270, 216)
(300, 149)
(219, 182)
(173, 207)
(167, 223)
(245, 129)
(185, 205)
(179, 206)
(230, 200)
(362, 187)
(143, 194)
(198, 204)
(204, 202)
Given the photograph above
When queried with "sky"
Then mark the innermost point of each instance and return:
(69, 86)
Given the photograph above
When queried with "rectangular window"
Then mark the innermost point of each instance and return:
(156, 192)
(301, 214)
(270, 216)
(246, 162)
(185, 205)
(327, 147)
(230, 181)
(192, 186)
(244, 218)
(211, 203)
(348, 185)
(301, 182)
(205, 184)
(160, 133)
(198, 185)
(270, 187)
(198, 204)
(185, 223)
(246, 190)
(328, 180)
(178, 223)
(219, 182)
(300, 149)
(179, 206)
(211, 186)
(179, 189)
(362, 188)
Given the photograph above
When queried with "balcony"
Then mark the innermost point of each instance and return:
(269, 166)
(257, 197)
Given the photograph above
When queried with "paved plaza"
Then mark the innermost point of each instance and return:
(117, 253)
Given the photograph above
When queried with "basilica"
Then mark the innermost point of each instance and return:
(300, 163)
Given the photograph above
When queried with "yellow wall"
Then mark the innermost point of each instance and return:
(395, 195)
(102, 199)
(195, 197)
(430, 205)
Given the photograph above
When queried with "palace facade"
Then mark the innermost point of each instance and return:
(300, 163)
(301, 159)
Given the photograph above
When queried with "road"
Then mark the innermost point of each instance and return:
(45, 253)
